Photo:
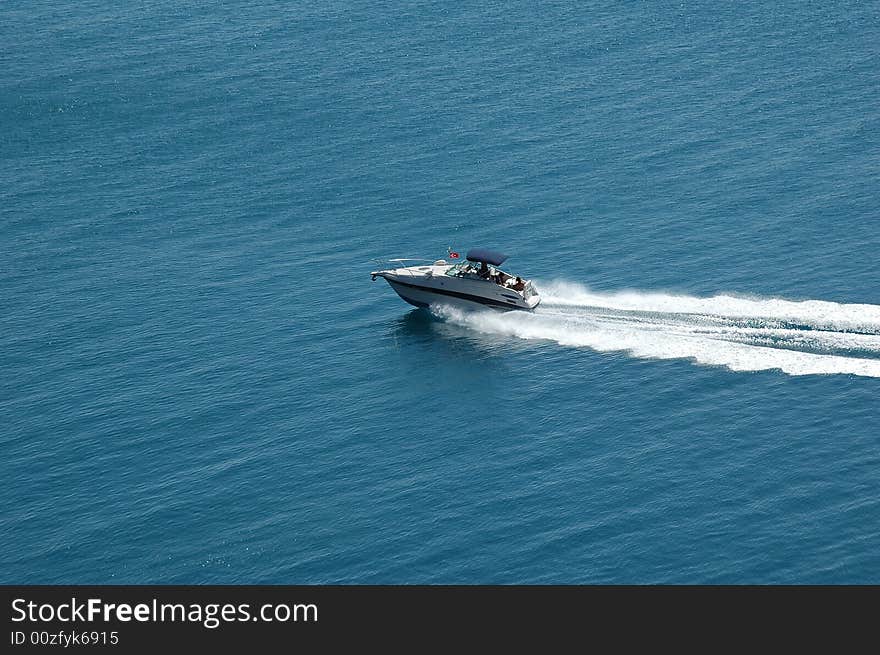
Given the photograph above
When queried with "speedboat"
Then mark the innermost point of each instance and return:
(474, 283)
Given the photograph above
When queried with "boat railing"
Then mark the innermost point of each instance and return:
(394, 264)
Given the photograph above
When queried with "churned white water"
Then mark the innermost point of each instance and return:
(742, 334)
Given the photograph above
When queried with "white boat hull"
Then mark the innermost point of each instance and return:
(426, 286)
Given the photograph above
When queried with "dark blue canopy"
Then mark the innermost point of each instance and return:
(486, 255)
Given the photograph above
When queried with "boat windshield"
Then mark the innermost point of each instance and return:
(463, 269)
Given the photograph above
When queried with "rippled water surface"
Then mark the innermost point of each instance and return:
(200, 383)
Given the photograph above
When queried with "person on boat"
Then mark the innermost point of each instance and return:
(484, 270)
(519, 285)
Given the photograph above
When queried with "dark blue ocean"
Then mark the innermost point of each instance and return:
(199, 383)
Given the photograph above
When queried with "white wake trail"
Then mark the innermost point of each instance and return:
(743, 334)
(818, 314)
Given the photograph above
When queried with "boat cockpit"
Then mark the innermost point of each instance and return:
(481, 271)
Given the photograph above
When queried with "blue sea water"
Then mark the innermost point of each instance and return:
(199, 383)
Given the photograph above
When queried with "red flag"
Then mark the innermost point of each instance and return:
(454, 255)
